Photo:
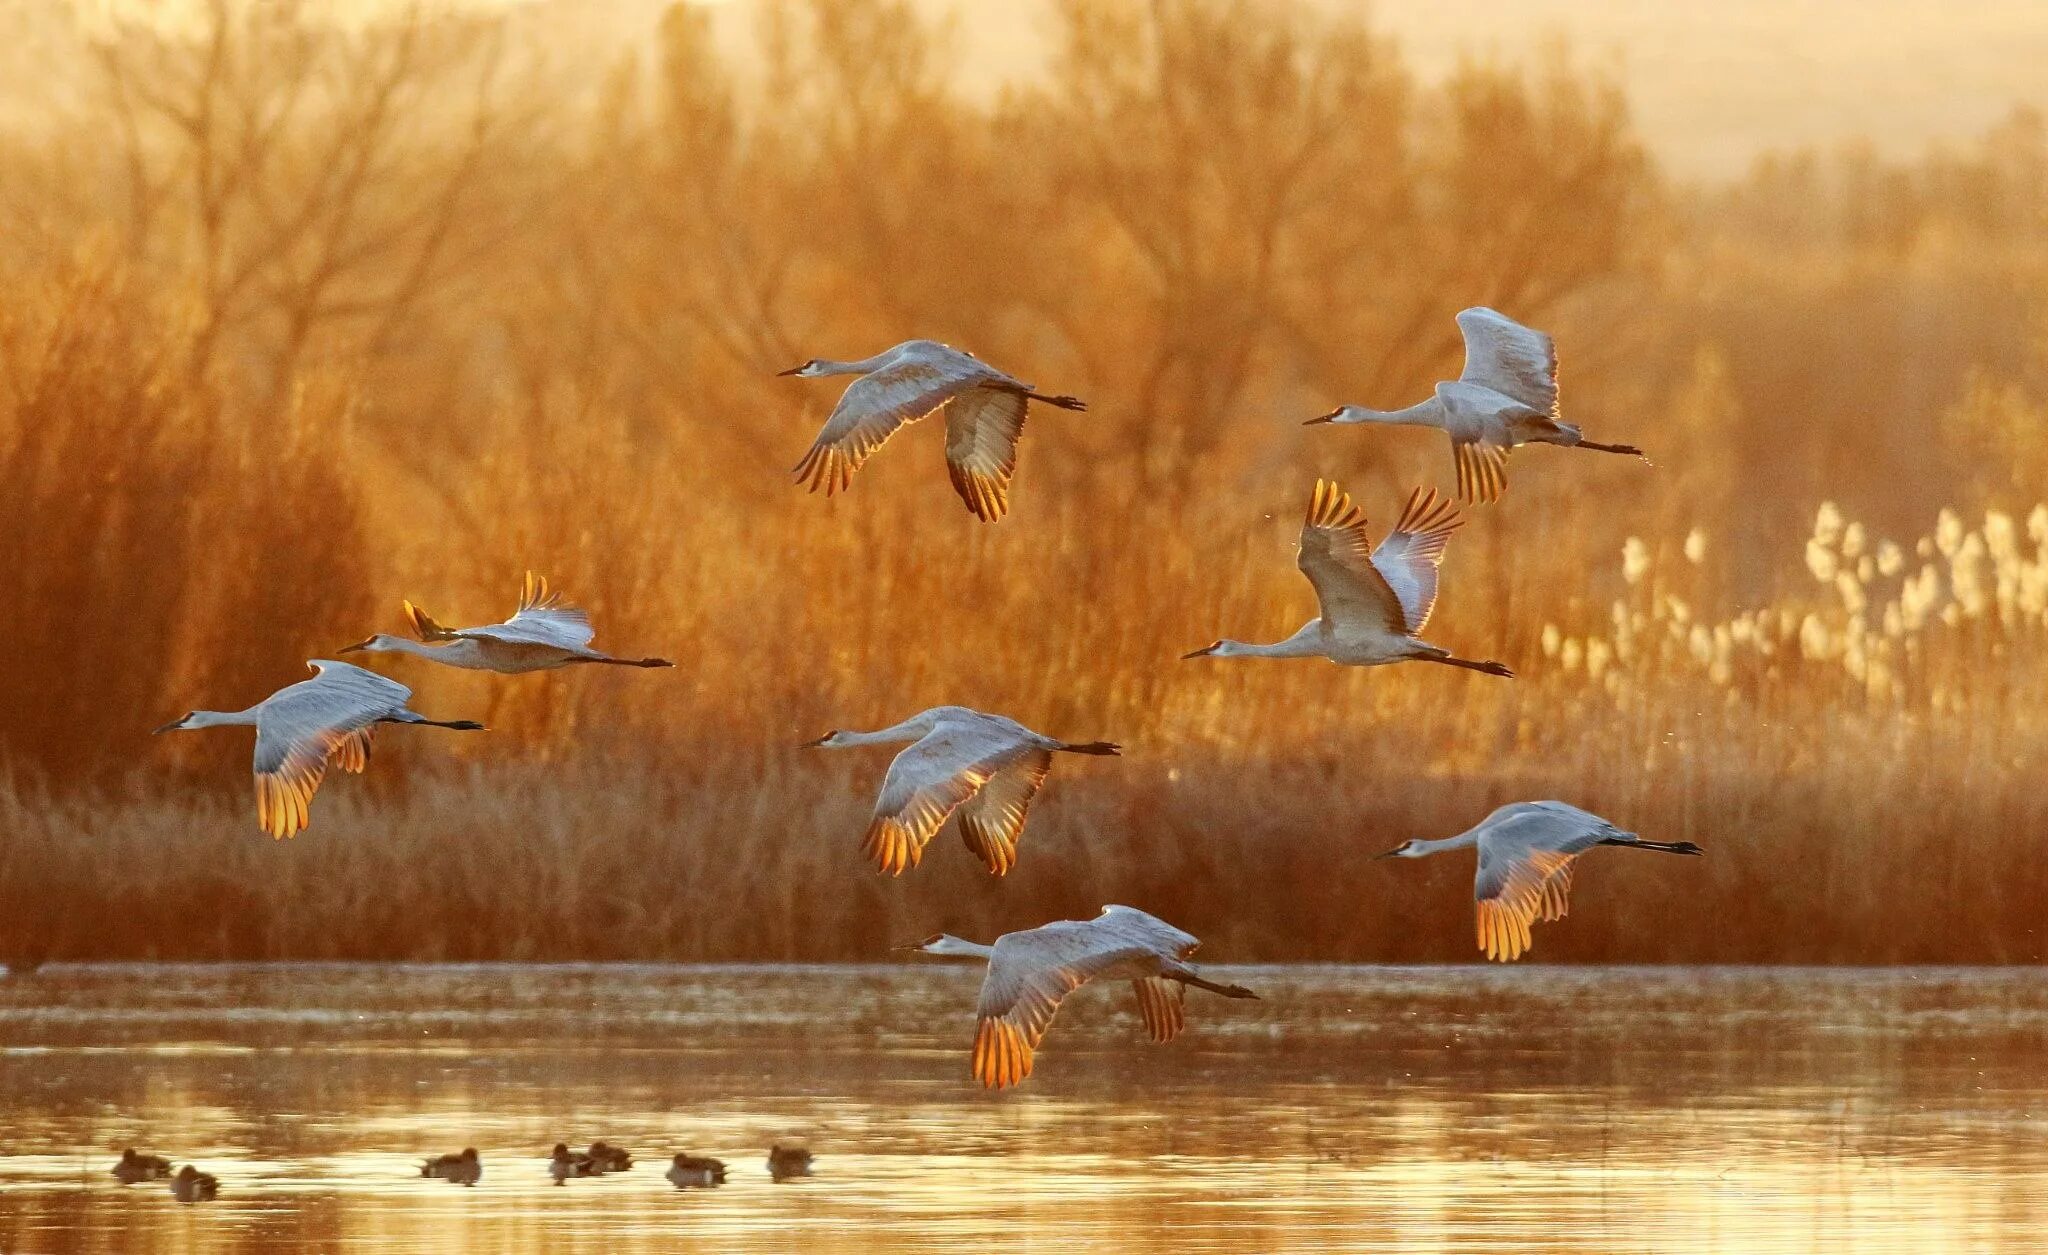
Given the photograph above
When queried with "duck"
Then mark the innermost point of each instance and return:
(565, 1164)
(193, 1186)
(785, 1162)
(133, 1167)
(605, 1157)
(686, 1171)
(462, 1169)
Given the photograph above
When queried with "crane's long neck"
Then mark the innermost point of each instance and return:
(1428, 413)
(950, 946)
(407, 645)
(1463, 841)
(223, 718)
(826, 366)
(909, 730)
(1307, 642)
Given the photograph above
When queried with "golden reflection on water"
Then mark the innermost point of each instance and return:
(1389, 1109)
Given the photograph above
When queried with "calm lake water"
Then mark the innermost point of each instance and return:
(1406, 1109)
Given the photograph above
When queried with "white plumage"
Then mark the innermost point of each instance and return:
(1030, 974)
(986, 767)
(984, 418)
(1506, 395)
(544, 633)
(1526, 853)
(1373, 601)
(301, 726)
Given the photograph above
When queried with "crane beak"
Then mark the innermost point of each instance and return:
(811, 745)
(166, 728)
(791, 371)
(1323, 418)
(1390, 853)
(358, 647)
(1203, 652)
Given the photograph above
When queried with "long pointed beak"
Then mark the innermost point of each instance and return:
(811, 745)
(355, 648)
(166, 728)
(791, 371)
(1322, 418)
(915, 945)
(1388, 853)
(1203, 652)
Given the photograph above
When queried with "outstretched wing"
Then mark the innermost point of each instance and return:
(1336, 556)
(543, 618)
(1029, 974)
(992, 819)
(982, 427)
(926, 783)
(299, 726)
(1162, 1005)
(1526, 851)
(1516, 361)
(1408, 558)
(873, 407)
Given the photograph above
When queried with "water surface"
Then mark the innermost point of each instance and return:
(1400, 1109)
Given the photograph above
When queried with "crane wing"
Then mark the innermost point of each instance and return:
(299, 726)
(1337, 558)
(992, 819)
(926, 783)
(543, 618)
(1526, 851)
(1516, 361)
(873, 407)
(1162, 1005)
(1409, 556)
(982, 428)
(1029, 974)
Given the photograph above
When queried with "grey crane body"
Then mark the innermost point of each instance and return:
(302, 726)
(1524, 873)
(543, 634)
(984, 410)
(1031, 972)
(1505, 396)
(987, 768)
(1374, 601)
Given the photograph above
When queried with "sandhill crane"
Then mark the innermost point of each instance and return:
(1031, 972)
(695, 1171)
(1373, 601)
(462, 1169)
(787, 1162)
(193, 1186)
(1505, 396)
(984, 417)
(985, 766)
(133, 1167)
(544, 633)
(1526, 852)
(301, 726)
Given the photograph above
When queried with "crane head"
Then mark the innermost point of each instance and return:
(1407, 849)
(827, 741)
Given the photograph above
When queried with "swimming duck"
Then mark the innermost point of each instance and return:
(785, 1162)
(605, 1157)
(565, 1164)
(695, 1170)
(462, 1169)
(193, 1186)
(134, 1167)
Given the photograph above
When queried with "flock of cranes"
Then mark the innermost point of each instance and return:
(1373, 603)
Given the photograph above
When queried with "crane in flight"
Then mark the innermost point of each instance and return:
(1526, 854)
(544, 633)
(1031, 972)
(1505, 396)
(984, 418)
(1373, 601)
(301, 726)
(986, 767)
